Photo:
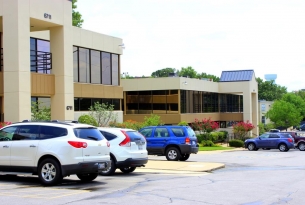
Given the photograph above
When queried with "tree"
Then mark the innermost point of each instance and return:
(102, 113)
(188, 71)
(40, 112)
(297, 101)
(163, 72)
(268, 90)
(284, 114)
(205, 75)
(241, 129)
(301, 93)
(205, 125)
(76, 16)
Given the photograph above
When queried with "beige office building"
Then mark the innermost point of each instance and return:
(43, 57)
(177, 99)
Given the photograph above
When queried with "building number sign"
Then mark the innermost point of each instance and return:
(47, 16)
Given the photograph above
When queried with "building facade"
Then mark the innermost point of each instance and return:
(263, 107)
(177, 99)
(45, 58)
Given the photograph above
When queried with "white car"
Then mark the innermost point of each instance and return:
(127, 149)
(53, 150)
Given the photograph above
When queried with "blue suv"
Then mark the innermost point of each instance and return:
(276, 140)
(175, 142)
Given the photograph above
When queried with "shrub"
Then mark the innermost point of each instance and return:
(214, 136)
(241, 129)
(205, 125)
(207, 143)
(236, 143)
(152, 120)
(183, 123)
(103, 113)
(222, 136)
(88, 119)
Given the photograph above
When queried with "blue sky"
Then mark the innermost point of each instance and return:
(212, 36)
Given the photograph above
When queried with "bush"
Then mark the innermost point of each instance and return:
(207, 143)
(236, 143)
(183, 123)
(87, 119)
(214, 136)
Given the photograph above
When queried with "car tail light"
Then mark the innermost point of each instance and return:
(126, 141)
(108, 144)
(187, 140)
(78, 144)
(290, 140)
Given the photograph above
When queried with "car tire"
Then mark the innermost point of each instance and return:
(172, 154)
(110, 171)
(301, 146)
(127, 170)
(283, 147)
(88, 177)
(184, 157)
(251, 147)
(49, 172)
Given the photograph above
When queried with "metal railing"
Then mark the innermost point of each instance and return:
(41, 61)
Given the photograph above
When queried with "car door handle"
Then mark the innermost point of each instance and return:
(32, 146)
(5, 146)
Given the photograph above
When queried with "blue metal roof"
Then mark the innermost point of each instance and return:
(236, 75)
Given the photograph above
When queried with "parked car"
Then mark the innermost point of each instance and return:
(53, 150)
(274, 130)
(302, 127)
(127, 150)
(175, 142)
(299, 141)
(278, 140)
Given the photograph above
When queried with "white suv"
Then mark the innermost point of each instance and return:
(127, 149)
(53, 150)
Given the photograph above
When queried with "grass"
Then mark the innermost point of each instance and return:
(214, 148)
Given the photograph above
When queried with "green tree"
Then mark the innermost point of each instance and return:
(163, 72)
(103, 113)
(268, 90)
(205, 75)
(301, 93)
(76, 16)
(40, 112)
(297, 101)
(284, 114)
(188, 71)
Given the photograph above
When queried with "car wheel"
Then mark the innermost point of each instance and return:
(87, 177)
(49, 172)
(184, 157)
(110, 170)
(301, 146)
(172, 154)
(283, 148)
(127, 170)
(252, 147)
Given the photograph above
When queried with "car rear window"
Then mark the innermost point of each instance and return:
(108, 136)
(190, 132)
(135, 135)
(178, 131)
(88, 133)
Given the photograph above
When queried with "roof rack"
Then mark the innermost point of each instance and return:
(51, 121)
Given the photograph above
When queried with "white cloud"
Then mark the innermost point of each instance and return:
(267, 36)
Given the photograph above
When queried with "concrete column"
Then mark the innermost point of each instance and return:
(255, 119)
(62, 68)
(16, 58)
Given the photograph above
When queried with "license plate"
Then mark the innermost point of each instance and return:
(101, 166)
(140, 147)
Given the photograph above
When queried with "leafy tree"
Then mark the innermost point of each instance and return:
(297, 101)
(205, 75)
(40, 112)
(301, 93)
(205, 125)
(163, 72)
(268, 90)
(152, 120)
(126, 76)
(76, 16)
(241, 129)
(188, 71)
(102, 113)
(284, 114)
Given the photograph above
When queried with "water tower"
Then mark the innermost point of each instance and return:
(269, 77)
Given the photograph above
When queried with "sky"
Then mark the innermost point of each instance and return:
(211, 36)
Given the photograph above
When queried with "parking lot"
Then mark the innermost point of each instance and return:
(261, 177)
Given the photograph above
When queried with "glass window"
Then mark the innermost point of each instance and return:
(43, 56)
(264, 136)
(88, 133)
(161, 132)
(33, 54)
(146, 132)
(27, 132)
(190, 132)
(95, 67)
(85, 104)
(49, 132)
(115, 69)
(75, 64)
(6, 134)
(108, 135)
(76, 104)
(116, 103)
(84, 64)
(106, 69)
(178, 131)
